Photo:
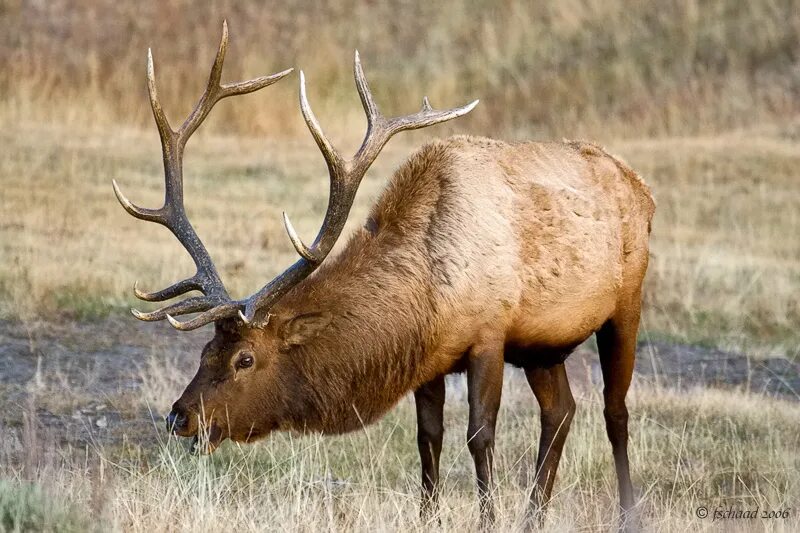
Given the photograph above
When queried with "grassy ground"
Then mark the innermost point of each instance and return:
(693, 449)
(725, 266)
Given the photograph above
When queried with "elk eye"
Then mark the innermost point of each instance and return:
(245, 361)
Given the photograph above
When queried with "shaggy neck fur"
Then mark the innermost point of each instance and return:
(379, 291)
(368, 357)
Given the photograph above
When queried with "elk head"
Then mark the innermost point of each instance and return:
(236, 392)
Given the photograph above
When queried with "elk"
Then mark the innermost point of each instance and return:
(478, 253)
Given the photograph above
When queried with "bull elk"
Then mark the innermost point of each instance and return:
(478, 253)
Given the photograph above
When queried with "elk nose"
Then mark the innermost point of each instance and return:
(176, 420)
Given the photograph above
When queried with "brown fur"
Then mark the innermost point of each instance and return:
(475, 244)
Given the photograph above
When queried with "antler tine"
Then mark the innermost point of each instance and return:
(218, 312)
(215, 91)
(162, 123)
(142, 213)
(195, 304)
(304, 251)
(210, 95)
(181, 287)
(364, 93)
(427, 116)
(331, 155)
(215, 75)
(245, 87)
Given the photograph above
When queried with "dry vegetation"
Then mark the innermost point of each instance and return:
(725, 266)
(689, 449)
(700, 97)
(595, 68)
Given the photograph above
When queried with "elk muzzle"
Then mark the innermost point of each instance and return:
(177, 421)
(183, 422)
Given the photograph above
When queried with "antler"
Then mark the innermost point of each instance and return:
(345, 177)
(215, 300)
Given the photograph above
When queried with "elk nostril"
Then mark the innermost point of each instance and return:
(170, 420)
(176, 421)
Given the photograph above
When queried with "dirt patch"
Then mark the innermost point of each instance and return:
(686, 366)
(683, 366)
(84, 384)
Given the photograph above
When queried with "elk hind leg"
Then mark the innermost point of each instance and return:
(616, 342)
(552, 391)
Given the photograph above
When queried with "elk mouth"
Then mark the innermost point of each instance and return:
(206, 433)
(206, 440)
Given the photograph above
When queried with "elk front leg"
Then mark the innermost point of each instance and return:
(429, 400)
(485, 384)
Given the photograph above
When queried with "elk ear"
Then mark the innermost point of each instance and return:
(225, 325)
(303, 328)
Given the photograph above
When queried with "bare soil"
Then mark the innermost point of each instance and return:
(81, 383)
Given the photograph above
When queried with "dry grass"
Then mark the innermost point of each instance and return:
(726, 238)
(725, 265)
(596, 68)
(688, 449)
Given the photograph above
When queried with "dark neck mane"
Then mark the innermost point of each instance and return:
(379, 290)
(369, 356)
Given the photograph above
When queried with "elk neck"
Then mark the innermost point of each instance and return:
(380, 294)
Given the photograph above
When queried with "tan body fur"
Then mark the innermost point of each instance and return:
(531, 244)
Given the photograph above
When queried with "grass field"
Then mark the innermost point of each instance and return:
(690, 449)
(700, 97)
(610, 68)
(725, 267)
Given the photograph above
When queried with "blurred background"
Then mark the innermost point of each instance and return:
(701, 97)
(586, 68)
